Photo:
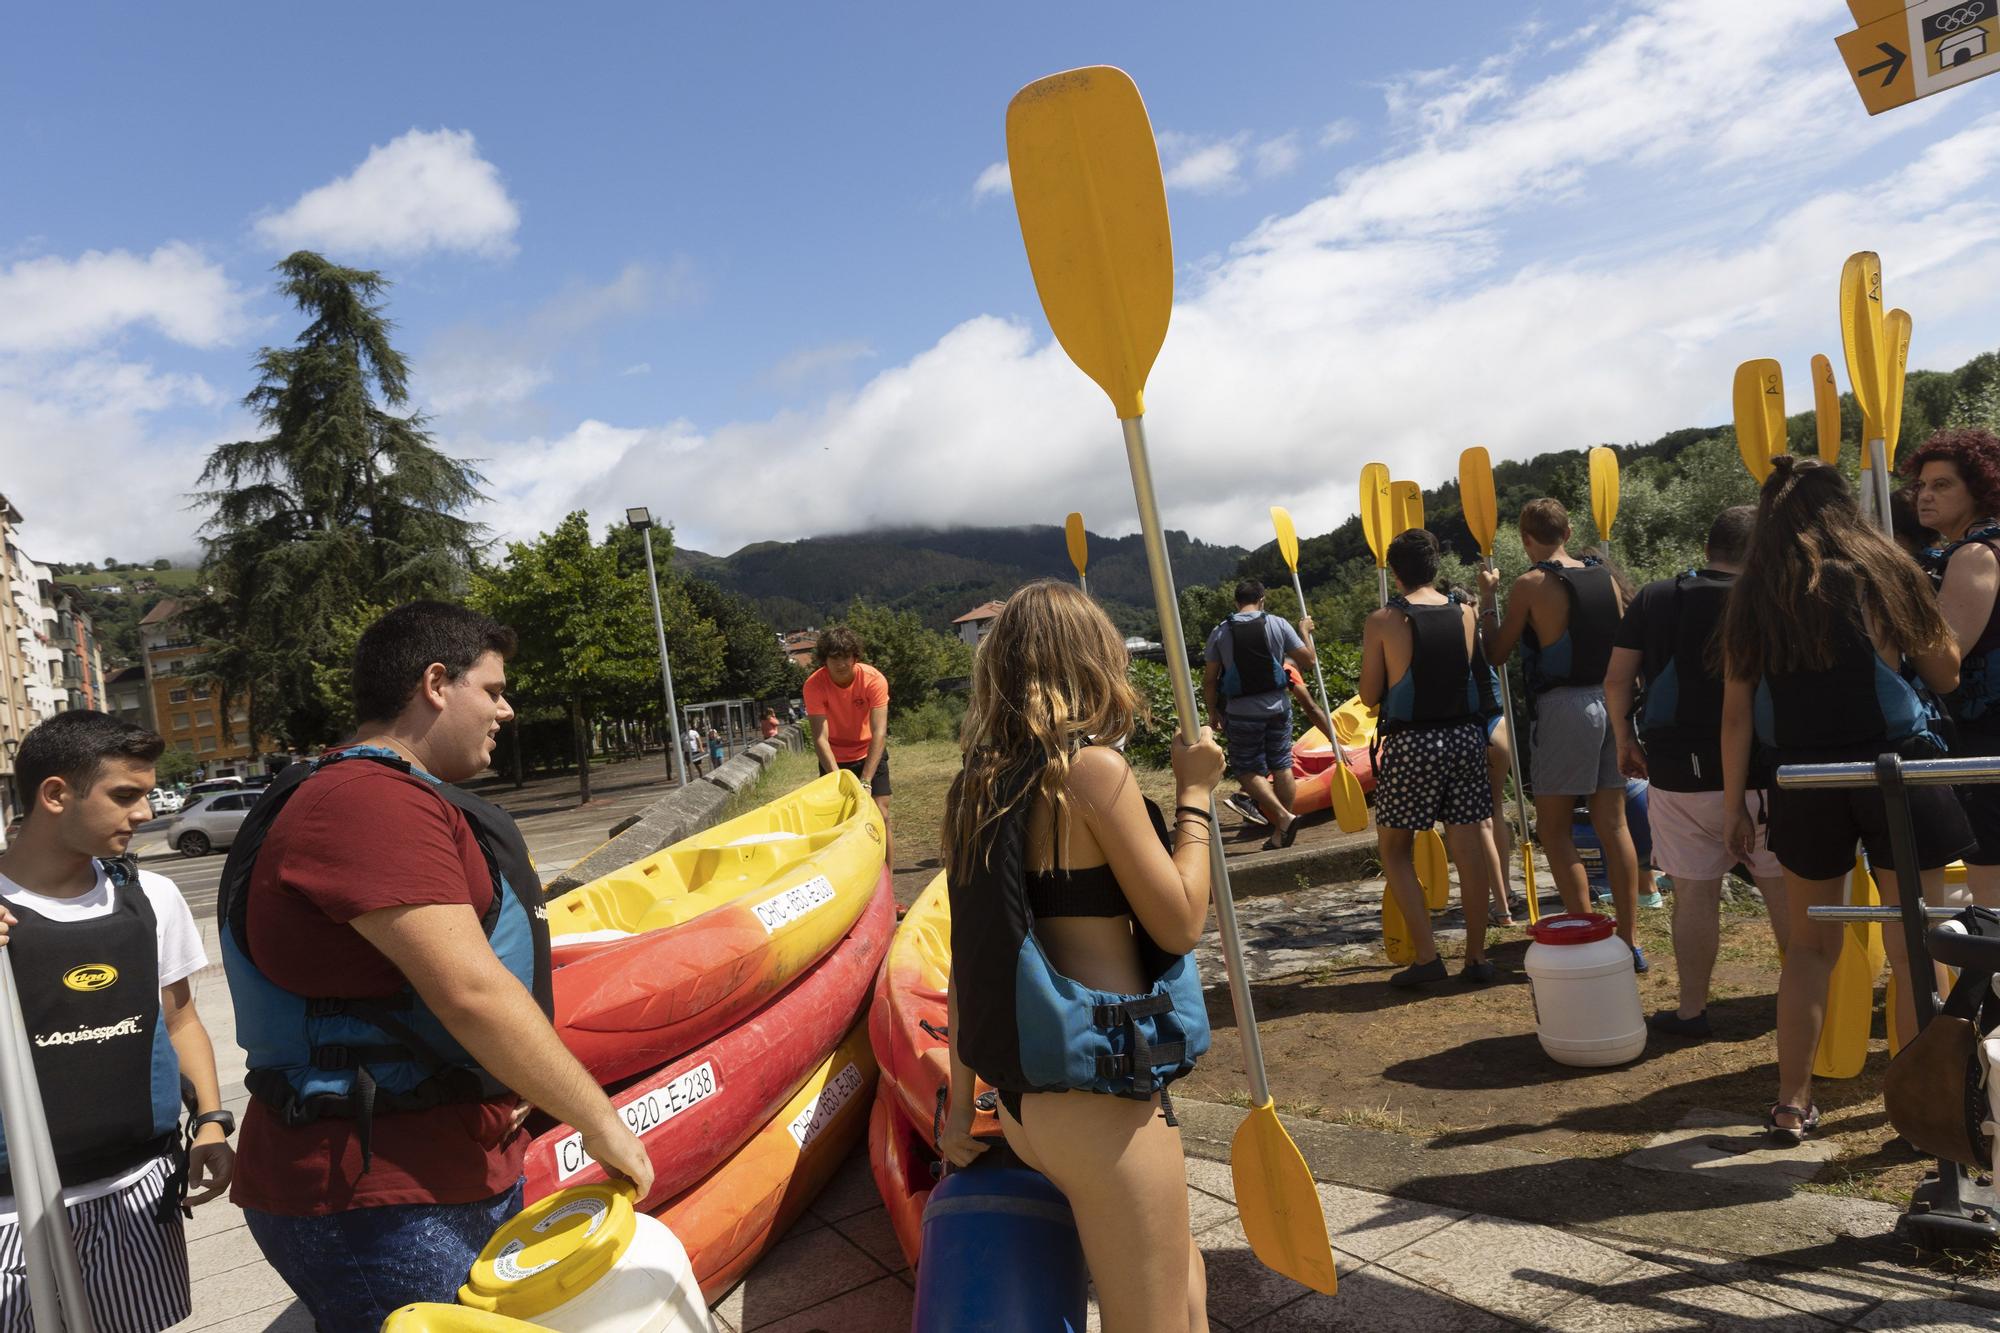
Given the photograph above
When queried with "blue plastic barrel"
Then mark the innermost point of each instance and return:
(1000, 1254)
(1591, 852)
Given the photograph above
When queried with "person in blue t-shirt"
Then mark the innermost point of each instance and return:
(1243, 683)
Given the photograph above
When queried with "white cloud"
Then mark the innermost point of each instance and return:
(1202, 165)
(1427, 302)
(1337, 132)
(997, 179)
(428, 190)
(811, 364)
(51, 304)
(637, 368)
(1277, 156)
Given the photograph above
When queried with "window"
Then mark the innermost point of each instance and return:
(180, 721)
(175, 667)
(185, 747)
(201, 691)
(204, 717)
(177, 696)
(207, 744)
(225, 803)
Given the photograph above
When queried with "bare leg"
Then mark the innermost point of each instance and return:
(1984, 881)
(1621, 863)
(1259, 787)
(1552, 823)
(1697, 929)
(1122, 1168)
(1498, 766)
(1773, 889)
(1399, 867)
(1473, 853)
(1286, 788)
(1932, 886)
(1809, 958)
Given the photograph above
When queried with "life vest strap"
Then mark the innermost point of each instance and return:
(1138, 1064)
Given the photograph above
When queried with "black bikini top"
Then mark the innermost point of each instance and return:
(1091, 890)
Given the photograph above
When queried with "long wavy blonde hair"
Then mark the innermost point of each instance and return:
(1049, 676)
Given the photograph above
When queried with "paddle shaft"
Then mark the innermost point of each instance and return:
(1167, 603)
(1319, 676)
(1878, 482)
(1381, 585)
(1083, 582)
(1520, 787)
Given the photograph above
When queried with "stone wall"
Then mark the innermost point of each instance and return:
(681, 813)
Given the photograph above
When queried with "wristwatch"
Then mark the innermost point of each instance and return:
(227, 1119)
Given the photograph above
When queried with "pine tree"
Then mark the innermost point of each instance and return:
(345, 502)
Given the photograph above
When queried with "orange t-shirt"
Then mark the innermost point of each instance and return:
(846, 710)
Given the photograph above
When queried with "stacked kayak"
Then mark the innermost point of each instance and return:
(1312, 760)
(660, 956)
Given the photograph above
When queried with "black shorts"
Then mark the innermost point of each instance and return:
(1813, 830)
(879, 787)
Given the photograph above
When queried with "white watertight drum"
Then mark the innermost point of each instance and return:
(582, 1261)
(1586, 995)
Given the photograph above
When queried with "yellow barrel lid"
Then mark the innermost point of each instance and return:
(431, 1318)
(551, 1251)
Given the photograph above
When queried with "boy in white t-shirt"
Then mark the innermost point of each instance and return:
(102, 953)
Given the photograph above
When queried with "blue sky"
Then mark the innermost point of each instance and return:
(756, 266)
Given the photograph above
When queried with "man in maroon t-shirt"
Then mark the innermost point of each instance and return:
(369, 880)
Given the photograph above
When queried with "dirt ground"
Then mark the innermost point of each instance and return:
(1459, 1065)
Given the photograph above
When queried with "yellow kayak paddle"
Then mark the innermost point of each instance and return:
(1826, 408)
(1350, 803)
(1759, 400)
(1079, 550)
(1093, 210)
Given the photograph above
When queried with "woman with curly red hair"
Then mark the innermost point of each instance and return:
(1957, 493)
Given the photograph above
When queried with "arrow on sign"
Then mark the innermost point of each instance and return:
(1894, 64)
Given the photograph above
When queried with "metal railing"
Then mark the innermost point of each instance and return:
(1953, 1206)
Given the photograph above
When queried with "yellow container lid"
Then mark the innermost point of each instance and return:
(552, 1251)
(431, 1318)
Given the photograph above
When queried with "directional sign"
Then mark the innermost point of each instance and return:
(1868, 11)
(1929, 47)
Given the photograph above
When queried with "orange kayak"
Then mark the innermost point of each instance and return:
(693, 1112)
(902, 1167)
(1312, 777)
(909, 1019)
(735, 1213)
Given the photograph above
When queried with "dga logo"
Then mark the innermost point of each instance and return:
(90, 977)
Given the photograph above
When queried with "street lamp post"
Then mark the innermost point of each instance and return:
(641, 521)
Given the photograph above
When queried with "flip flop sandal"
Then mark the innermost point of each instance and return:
(1792, 1135)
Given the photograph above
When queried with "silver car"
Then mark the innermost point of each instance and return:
(209, 823)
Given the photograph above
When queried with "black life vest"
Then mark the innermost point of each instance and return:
(1025, 1027)
(1442, 687)
(90, 999)
(1975, 704)
(1680, 716)
(1582, 654)
(311, 1057)
(1252, 667)
(1854, 710)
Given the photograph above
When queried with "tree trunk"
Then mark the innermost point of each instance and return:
(582, 734)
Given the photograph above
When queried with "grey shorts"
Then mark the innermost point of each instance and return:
(1574, 751)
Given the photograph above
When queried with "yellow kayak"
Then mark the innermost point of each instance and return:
(661, 955)
(1354, 723)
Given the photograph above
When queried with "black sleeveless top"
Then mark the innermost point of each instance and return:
(1089, 891)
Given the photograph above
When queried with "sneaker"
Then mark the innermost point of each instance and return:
(1419, 974)
(1663, 883)
(1480, 973)
(1244, 806)
(1668, 1022)
(1652, 898)
(1639, 963)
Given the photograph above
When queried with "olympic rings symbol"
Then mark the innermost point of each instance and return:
(1963, 16)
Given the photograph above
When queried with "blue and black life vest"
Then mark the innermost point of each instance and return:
(1582, 653)
(90, 1000)
(1251, 667)
(1443, 687)
(1853, 710)
(1975, 704)
(1025, 1027)
(318, 1056)
(1680, 714)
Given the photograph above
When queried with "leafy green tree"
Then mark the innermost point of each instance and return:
(173, 767)
(913, 658)
(585, 629)
(344, 501)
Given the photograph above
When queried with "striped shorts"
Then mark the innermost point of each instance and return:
(135, 1270)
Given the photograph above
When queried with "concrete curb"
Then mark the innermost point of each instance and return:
(1347, 857)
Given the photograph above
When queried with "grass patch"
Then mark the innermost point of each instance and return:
(787, 771)
(175, 579)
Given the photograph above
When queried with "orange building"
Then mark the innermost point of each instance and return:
(186, 713)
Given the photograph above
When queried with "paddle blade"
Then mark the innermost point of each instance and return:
(1350, 803)
(1826, 408)
(1861, 338)
(1288, 537)
(1079, 544)
(1759, 400)
(1396, 941)
(1406, 506)
(1093, 211)
(1433, 870)
(1377, 511)
(1896, 336)
(1850, 992)
(1604, 489)
(1279, 1204)
(1475, 493)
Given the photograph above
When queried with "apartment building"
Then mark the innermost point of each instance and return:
(187, 713)
(128, 698)
(82, 666)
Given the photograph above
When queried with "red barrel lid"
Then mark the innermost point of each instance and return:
(1573, 928)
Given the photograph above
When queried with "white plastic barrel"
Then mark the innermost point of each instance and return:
(582, 1261)
(1586, 995)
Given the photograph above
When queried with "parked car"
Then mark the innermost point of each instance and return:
(208, 823)
(213, 785)
(165, 801)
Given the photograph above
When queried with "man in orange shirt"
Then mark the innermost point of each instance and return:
(847, 702)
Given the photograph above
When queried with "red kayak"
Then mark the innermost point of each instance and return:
(634, 1005)
(911, 1013)
(1312, 777)
(696, 1111)
(902, 1167)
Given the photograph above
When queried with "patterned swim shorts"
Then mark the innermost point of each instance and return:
(1434, 776)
